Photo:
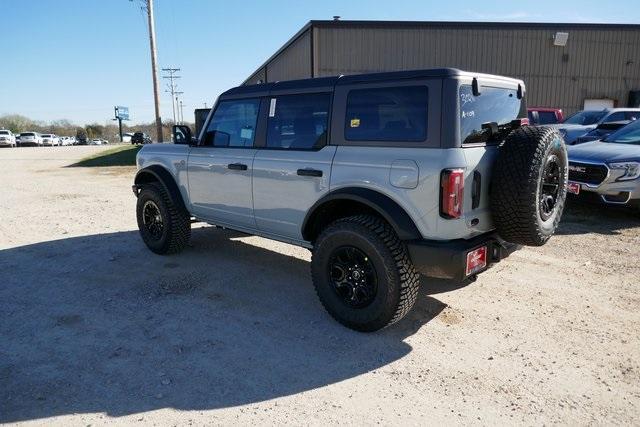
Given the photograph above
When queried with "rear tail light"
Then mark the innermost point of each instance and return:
(476, 260)
(451, 193)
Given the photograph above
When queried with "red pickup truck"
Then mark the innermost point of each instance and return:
(544, 116)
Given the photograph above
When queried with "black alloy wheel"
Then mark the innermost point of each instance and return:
(551, 179)
(353, 276)
(152, 219)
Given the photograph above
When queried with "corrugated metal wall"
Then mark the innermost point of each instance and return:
(292, 63)
(595, 63)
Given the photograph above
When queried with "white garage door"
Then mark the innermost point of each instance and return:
(598, 104)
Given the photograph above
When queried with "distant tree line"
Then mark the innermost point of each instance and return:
(18, 124)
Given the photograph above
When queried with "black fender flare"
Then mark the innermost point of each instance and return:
(386, 207)
(165, 178)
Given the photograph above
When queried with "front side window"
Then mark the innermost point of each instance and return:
(494, 104)
(397, 114)
(233, 124)
(298, 122)
(615, 117)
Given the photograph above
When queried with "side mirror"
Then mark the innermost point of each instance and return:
(181, 134)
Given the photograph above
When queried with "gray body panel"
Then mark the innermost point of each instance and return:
(217, 193)
(271, 199)
(281, 197)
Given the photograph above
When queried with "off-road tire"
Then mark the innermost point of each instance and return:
(176, 221)
(516, 185)
(397, 279)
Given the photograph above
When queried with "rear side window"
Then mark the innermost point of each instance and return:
(397, 114)
(298, 122)
(547, 118)
(494, 104)
(233, 124)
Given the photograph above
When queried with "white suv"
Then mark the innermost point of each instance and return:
(7, 138)
(30, 139)
(50, 139)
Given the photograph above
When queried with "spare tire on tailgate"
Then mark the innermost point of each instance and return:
(529, 185)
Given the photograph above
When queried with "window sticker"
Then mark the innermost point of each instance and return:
(272, 108)
(246, 133)
(355, 123)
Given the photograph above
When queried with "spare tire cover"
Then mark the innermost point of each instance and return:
(529, 185)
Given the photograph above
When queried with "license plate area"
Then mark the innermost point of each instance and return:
(573, 187)
(476, 260)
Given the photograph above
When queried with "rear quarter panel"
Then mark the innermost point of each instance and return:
(376, 167)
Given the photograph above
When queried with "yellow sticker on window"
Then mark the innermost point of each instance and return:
(355, 123)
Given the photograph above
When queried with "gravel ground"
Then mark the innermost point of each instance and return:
(94, 328)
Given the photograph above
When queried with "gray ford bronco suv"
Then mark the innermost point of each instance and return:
(382, 176)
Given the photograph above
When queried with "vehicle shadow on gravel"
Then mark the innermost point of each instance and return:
(584, 216)
(100, 324)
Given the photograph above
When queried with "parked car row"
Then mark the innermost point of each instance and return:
(608, 166)
(583, 122)
(586, 125)
(35, 139)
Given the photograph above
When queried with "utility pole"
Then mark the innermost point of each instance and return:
(172, 87)
(181, 113)
(154, 68)
(177, 105)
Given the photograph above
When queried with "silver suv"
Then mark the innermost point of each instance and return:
(383, 176)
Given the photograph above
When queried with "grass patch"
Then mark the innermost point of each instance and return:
(117, 156)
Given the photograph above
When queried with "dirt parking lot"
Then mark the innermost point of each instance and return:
(96, 328)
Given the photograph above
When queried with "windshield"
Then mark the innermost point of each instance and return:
(4, 132)
(46, 135)
(585, 118)
(629, 134)
(494, 104)
(28, 134)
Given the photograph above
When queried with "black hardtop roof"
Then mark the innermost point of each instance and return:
(342, 80)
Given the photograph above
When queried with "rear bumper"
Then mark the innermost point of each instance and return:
(447, 259)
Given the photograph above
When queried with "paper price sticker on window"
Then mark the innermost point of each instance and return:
(246, 133)
(272, 108)
(355, 123)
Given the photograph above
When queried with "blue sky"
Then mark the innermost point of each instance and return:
(76, 59)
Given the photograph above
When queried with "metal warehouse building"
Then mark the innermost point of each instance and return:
(563, 65)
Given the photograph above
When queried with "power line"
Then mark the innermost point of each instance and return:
(172, 75)
(177, 105)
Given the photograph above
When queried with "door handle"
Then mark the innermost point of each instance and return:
(237, 166)
(309, 172)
